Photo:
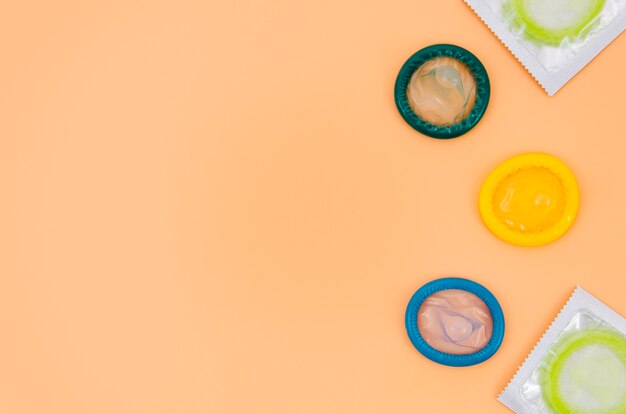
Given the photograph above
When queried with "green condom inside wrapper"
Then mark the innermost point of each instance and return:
(552, 23)
(578, 367)
(553, 39)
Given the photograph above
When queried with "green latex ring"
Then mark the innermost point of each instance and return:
(554, 36)
(483, 91)
(562, 352)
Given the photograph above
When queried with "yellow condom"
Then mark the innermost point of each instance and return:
(529, 200)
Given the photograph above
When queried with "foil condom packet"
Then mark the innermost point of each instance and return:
(578, 366)
(553, 39)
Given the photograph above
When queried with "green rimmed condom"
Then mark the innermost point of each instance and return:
(483, 90)
(552, 22)
(585, 373)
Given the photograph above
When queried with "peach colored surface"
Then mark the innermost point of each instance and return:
(214, 207)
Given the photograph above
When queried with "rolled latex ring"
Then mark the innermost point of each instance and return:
(454, 360)
(414, 63)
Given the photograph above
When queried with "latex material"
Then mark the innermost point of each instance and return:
(552, 22)
(455, 322)
(460, 59)
(442, 91)
(529, 200)
(586, 373)
(450, 359)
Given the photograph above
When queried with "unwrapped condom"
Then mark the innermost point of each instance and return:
(529, 200)
(442, 91)
(455, 322)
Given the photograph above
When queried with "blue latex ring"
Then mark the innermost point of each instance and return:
(451, 359)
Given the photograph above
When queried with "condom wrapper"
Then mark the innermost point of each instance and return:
(578, 366)
(553, 39)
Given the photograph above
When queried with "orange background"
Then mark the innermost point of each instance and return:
(216, 208)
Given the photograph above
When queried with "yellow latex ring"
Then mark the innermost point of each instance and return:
(529, 200)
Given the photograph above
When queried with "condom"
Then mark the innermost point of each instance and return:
(455, 322)
(553, 39)
(578, 366)
(586, 372)
(442, 91)
(529, 200)
(553, 22)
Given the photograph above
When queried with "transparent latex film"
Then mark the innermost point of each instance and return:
(556, 31)
(442, 91)
(455, 321)
(583, 372)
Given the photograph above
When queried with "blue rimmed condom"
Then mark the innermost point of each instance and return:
(442, 91)
(455, 322)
